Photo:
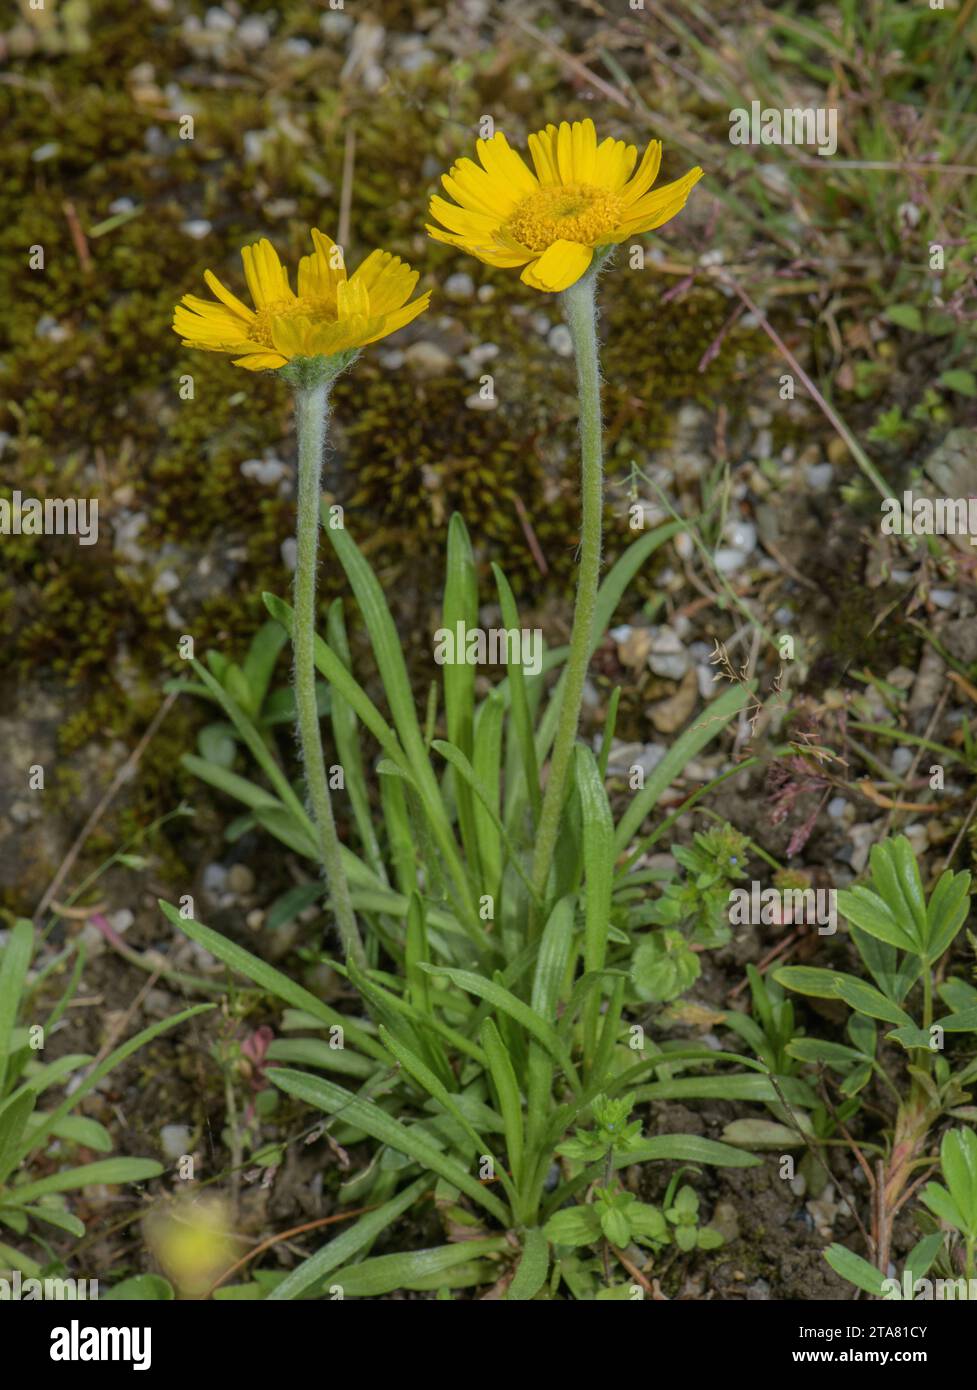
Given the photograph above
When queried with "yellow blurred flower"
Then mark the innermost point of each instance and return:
(330, 314)
(193, 1241)
(581, 197)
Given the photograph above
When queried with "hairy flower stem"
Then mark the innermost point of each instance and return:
(311, 415)
(580, 308)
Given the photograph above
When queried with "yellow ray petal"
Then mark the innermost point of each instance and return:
(615, 160)
(505, 166)
(261, 361)
(485, 251)
(225, 296)
(646, 175)
(542, 147)
(462, 220)
(400, 317)
(560, 265)
(291, 334)
(388, 280)
(659, 207)
(352, 299)
(473, 188)
(576, 151)
(320, 273)
(265, 274)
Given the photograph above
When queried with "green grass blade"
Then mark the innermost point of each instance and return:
(710, 723)
(272, 980)
(522, 724)
(487, 768)
(506, 1088)
(598, 860)
(13, 972)
(496, 995)
(346, 735)
(460, 609)
(353, 1241)
(371, 1119)
(533, 1267)
(106, 1170)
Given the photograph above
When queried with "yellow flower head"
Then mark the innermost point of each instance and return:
(330, 315)
(581, 197)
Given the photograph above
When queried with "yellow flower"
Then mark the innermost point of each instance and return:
(330, 314)
(582, 196)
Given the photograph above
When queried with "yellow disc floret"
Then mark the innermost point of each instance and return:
(573, 212)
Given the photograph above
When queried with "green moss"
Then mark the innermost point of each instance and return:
(94, 407)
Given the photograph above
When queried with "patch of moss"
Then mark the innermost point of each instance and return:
(91, 371)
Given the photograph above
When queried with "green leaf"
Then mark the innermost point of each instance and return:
(733, 1087)
(598, 864)
(13, 1121)
(958, 1159)
(911, 1036)
(487, 777)
(329, 665)
(856, 1270)
(107, 1170)
(141, 1288)
(346, 733)
(368, 1116)
(259, 664)
(609, 595)
(664, 966)
(460, 608)
(959, 380)
(763, 1134)
(904, 316)
(873, 915)
(946, 913)
(57, 1217)
(688, 1148)
(615, 1226)
(530, 1276)
(920, 1259)
(272, 980)
(552, 959)
(686, 747)
(502, 999)
(507, 1094)
(831, 1054)
(811, 980)
(13, 972)
(868, 1000)
(939, 1201)
(351, 1242)
(519, 704)
(574, 1226)
(416, 1269)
